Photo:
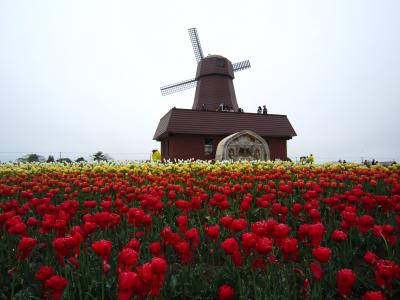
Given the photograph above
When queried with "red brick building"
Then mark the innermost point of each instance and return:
(188, 133)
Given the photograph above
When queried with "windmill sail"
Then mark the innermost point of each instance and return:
(177, 87)
(194, 38)
(239, 66)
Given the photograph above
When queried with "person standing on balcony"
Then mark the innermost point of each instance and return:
(265, 110)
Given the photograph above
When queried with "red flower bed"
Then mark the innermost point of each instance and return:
(200, 232)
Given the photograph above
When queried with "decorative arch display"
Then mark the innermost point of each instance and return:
(243, 145)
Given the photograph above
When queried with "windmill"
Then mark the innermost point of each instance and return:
(213, 81)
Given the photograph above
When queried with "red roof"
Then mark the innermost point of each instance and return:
(188, 121)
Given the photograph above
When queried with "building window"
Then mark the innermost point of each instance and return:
(208, 146)
(220, 62)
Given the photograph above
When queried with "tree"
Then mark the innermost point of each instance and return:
(33, 157)
(80, 159)
(64, 159)
(100, 156)
(50, 159)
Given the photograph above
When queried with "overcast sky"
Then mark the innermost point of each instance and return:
(81, 76)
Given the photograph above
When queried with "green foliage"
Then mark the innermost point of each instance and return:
(33, 157)
(100, 156)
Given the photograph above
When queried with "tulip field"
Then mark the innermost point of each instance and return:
(199, 230)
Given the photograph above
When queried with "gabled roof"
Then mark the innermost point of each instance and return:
(188, 121)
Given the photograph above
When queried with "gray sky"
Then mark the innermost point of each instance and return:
(81, 76)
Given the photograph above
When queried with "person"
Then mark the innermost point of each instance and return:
(203, 107)
(240, 110)
(155, 155)
(221, 107)
(265, 111)
(259, 110)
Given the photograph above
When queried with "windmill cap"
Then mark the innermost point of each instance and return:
(215, 56)
(214, 65)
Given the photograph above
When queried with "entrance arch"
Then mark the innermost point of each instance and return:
(243, 145)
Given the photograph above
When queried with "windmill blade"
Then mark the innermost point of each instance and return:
(241, 65)
(177, 87)
(194, 38)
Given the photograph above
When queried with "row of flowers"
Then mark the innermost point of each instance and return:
(249, 230)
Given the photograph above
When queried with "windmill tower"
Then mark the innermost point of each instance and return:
(197, 133)
(213, 81)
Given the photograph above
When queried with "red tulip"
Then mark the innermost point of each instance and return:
(345, 280)
(245, 206)
(133, 244)
(158, 265)
(56, 285)
(182, 223)
(281, 231)
(322, 254)
(18, 228)
(182, 247)
(145, 273)
(296, 209)
(365, 223)
(249, 240)
(290, 249)
(128, 284)
(338, 236)
(226, 221)
(238, 225)
(349, 217)
(386, 271)
(171, 195)
(315, 215)
(225, 292)
(127, 258)
(230, 246)
(316, 232)
(373, 295)
(370, 258)
(155, 248)
(303, 232)
(212, 232)
(182, 204)
(264, 245)
(193, 236)
(237, 258)
(25, 247)
(44, 273)
(317, 271)
(264, 228)
(102, 248)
